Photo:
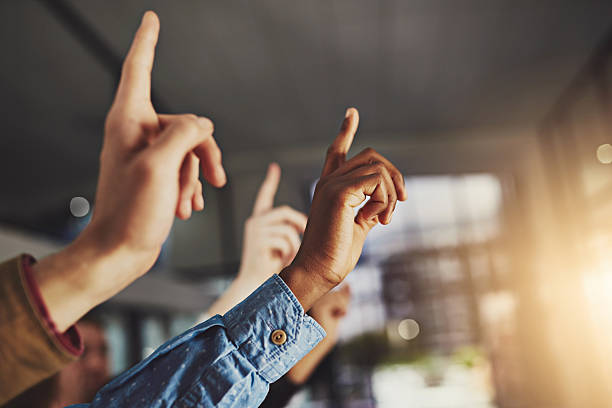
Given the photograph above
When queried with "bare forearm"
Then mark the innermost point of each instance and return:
(306, 287)
(81, 276)
(238, 290)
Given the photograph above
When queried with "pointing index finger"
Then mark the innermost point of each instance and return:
(135, 83)
(336, 154)
(265, 196)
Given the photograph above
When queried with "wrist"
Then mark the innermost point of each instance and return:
(81, 276)
(255, 270)
(307, 287)
(248, 278)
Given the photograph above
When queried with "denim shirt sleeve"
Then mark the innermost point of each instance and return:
(224, 361)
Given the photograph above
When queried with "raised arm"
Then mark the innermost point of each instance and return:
(334, 236)
(270, 241)
(147, 175)
(149, 170)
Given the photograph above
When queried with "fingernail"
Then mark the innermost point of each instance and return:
(347, 113)
(144, 16)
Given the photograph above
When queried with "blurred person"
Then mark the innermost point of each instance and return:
(228, 359)
(41, 395)
(148, 174)
(79, 381)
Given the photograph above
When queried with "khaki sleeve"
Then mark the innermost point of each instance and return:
(29, 350)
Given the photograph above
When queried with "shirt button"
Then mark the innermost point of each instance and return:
(278, 337)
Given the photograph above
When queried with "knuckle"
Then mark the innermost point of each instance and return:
(189, 125)
(369, 151)
(323, 187)
(185, 118)
(398, 177)
(190, 119)
(332, 150)
(324, 182)
(378, 166)
(335, 156)
(206, 123)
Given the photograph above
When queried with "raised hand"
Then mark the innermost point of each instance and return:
(149, 168)
(271, 235)
(150, 163)
(271, 240)
(334, 236)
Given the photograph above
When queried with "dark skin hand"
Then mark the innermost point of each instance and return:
(334, 235)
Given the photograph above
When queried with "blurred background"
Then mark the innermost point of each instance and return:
(493, 285)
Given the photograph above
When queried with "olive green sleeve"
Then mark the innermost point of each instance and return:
(30, 349)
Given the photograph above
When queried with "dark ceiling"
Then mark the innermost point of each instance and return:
(279, 73)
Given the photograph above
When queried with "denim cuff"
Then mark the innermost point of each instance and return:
(272, 308)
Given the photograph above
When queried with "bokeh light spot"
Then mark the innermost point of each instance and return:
(408, 329)
(79, 206)
(604, 153)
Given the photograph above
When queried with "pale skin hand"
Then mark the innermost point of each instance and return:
(328, 311)
(334, 236)
(270, 241)
(149, 172)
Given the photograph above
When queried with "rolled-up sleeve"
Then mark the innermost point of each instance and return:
(225, 361)
(31, 348)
